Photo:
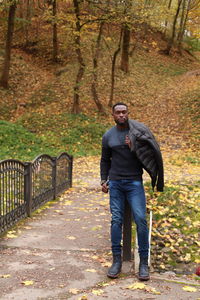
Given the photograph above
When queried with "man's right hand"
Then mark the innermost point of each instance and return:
(105, 187)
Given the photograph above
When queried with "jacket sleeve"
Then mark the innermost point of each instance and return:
(148, 152)
(105, 162)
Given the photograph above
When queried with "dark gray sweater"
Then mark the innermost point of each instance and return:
(117, 160)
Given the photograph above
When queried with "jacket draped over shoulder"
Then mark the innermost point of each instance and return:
(148, 152)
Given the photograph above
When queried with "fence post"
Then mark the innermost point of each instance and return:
(28, 187)
(127, 232)
(54, 176)
(71, 170)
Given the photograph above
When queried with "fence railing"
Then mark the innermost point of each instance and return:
(26, 186)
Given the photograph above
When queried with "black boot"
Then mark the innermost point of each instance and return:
(115, 269)
(143, 269)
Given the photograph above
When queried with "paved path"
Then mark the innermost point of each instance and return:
(63, 252)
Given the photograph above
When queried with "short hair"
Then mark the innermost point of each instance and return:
(119, 103)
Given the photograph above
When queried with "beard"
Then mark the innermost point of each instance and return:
(123, 122)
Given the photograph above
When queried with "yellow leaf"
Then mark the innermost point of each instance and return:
(74, 291)
(84, 297)
(136, 285)
(97, 292)
(5, 276)
(11, 235)
(152, 290)
(107, 264)
(142, 286)
(189, 288)
(70, 237)
(162, 266)
(95, 257)
(91, 270)
(105, 284)
(68, 202)
(28, 282)
(187, 257)
(98, 227)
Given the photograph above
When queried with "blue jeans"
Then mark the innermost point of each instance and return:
(133, 192)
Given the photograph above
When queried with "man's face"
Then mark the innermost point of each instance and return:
(120, 115)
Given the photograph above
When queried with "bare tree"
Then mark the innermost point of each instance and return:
(184, 17)
(55, 34)
(114, 58)
(81, 70)
(171, 40)
(9, 37)
(125, 48)
(95, 68)
(126, 38)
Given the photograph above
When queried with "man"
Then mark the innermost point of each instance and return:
(127, 148)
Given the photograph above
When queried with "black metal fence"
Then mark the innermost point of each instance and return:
(26, 186)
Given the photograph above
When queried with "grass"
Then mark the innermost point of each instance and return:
(189, 158)
(194, 44)
(18, 143)
(79, 135)
(169, 70)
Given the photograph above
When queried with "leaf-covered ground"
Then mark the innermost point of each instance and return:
(176, 212)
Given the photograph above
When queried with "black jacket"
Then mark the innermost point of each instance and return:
(148, 152)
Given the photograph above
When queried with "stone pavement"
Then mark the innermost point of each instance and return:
(63, 252)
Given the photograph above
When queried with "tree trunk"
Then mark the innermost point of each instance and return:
(55, 35)
(183, 22)
(110, 103)
(9, 37)
(95, 68)
(171, 41)
(76, 99)
(125, 49)
(166, 22)
(28, 17)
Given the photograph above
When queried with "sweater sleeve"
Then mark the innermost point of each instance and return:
(105, 163)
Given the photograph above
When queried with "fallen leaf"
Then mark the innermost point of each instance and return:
(11, 235)
(97, 292)
(189, 288)
(73, 291)
(5, 276)
(70, 237)
(105, 284)
(84, 297)
(98, 227)
(28, 282)
(68, 202)
(142, 286)
(136, 285)
(152, 290)
(106, 264)
(91, 270)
